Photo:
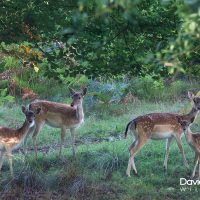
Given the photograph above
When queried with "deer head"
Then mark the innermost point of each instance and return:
(77, 97)
(30, 116)
(195, 99)
(184, 123)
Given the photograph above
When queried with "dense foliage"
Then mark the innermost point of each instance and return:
(75, 41)
(103, 37)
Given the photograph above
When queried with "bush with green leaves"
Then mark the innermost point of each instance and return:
(4, 98)
(151, 89)
(145, 87)
(106, 91)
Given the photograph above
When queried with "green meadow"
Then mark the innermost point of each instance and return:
(98, 170)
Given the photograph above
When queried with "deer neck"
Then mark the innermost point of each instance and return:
(79, 112)
(24, 129)
(192, 114)
(188, 136)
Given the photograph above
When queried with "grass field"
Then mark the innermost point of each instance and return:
(98, 171)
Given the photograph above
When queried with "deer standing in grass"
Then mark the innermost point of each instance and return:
(193, 140)
(58, 115)
(159, 126)
(10, 138)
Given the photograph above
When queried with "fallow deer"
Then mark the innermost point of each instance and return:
(159, 126)
(58, 115)
(193, 140)
(10, 138)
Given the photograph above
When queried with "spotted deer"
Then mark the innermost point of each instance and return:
(193, 140)
(58, 115)
(158, 126)
(10, 138)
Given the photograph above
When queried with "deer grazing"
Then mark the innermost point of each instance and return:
(158, 126)
(10, 138)
(193, 140)
(58, 115)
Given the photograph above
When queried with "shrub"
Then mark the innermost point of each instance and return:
(149, 89)
(4, 98)
(146, 87)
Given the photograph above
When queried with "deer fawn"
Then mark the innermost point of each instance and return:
(159, 126)
(193, 140)
(58, 115)
(10, 138)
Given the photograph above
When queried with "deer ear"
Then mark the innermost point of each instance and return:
(191, 95)
(72, 92)
(84, 91)
(24, 109)
(192, 120)
(38, 111)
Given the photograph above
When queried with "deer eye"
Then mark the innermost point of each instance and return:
(79, 97)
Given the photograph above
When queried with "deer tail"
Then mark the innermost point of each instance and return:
(127, 127)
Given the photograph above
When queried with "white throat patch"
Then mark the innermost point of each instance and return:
(32, 124)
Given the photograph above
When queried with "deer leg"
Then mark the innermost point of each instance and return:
(134, 148)
(26, 138)
(73, 135)
(178, 140)
(168, 144)
(195, 166)
(2, 158)
(36, 131)
(130, 159)
(63, 131)
(199, 170)
(10, 161)
(195, 158)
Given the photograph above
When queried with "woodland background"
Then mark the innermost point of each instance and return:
(135, 57)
